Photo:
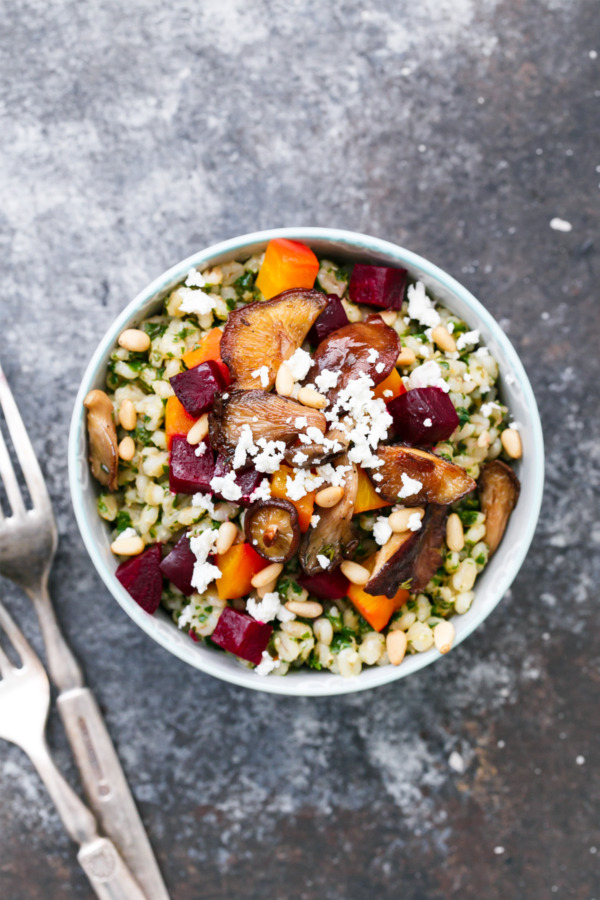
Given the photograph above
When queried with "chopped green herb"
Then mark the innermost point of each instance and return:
(463, 415)
(143, 435)
(345, 637)
(123, 521)
(155, 329)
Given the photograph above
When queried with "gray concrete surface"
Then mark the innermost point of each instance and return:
(134, 133)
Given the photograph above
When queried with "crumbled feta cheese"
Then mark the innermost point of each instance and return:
(270, 457)
(261, 492)
(449, 327)
(267, 664)
(299, 457)
(414, 522)
(203, 501)
(301, 422)
(299, 363)
(227, 486)
(515, 425)
(489, 407)
(420, 307)
(428, 374)
(314, 520)
(202, 545)
(373, 355)
(470, 338)
(201, 449)
(263, 374)
(327, 380)
(197, 302)
(269, 608)
(427, 422)
(481, 352)
(323, 561)
(195, 279)
(557, 224)
(382, 530)
(127, 533)
(388, 393)
(377, 476)
(379, 368)
(245, 446)
(410, 486)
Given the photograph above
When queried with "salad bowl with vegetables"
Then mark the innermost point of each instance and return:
(306, 461)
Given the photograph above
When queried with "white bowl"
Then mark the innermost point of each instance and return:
(516, 391)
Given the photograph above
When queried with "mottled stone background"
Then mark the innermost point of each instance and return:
(134, 133)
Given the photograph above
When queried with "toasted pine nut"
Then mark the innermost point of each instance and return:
(308, 609)
(511, 441)
(226, 536)
(198, 431)
(443, 636)
(329, 496)
(442, 337)
(284, 382)
(406, 357)
(127, 448)
(389, 316)
(354, 572)
(395, 644)
(265, 576)
(134, 340)
(127, 415)
(312, 399)
(455, 535)
(128, 546)
(398, 521)
(266, 589)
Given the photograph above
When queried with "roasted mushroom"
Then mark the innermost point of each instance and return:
(363, 347)
(414, 555)
(272, 527)
(436, 480)
(334, 536)
(336, 441)
(102, 434)
(264, 334)
(499, 490)
(267, 415)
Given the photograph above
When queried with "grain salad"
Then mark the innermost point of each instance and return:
(306, 463)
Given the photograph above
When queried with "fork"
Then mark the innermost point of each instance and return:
(28, 542)
(24, 705)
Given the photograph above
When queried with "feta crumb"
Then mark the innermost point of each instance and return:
(379, 368)
(428, 374)
(414, 522)
(469, 338)
(202, 545)
(427, 422)
(420, 307)
(261, 491)
(560, 225)
(487, 408)
(227, 486)
(410, 486)
(201, 449)
(245, 445)
(195, 279)
(269, 608)
(323, 561)
(299, 363)
(482, 352)
(270, 457)
(299, 457)
(301, 422)
(263, 374)
(203, 501)
(373, 355)
(449, 327)
(197, 302)
(382, 530)
(127, 533)
(377, 476)
(314, 520)
(327, 380)
(267, 664)
(388, 393)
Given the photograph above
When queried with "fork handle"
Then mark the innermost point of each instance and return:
(62, 665)
(106, 871)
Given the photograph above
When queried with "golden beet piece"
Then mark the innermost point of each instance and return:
(499, 490)
(441, 481)
(102, 434)
(267, 333)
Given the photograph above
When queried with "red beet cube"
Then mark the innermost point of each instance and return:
(178, 565)
(423, 416)
(377, 286)
(196, 388)
(248, 479)
(242, 635)
(326, 585)
(189, 473)
(333, 317)
(142, 578)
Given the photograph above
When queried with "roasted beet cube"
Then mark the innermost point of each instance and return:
(326, 585)
(247, 480)
(242, 635)
(142, 578)
(188, 472)
(178, 565)
(423, 416)
(196, 388)
(377, 286)
(333, 317)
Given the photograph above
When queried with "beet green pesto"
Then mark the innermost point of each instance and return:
(306, 463)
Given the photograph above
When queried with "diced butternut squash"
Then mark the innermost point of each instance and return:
(376, 610)
(366, 498)
(238, 567)
(209, 349)
(304, 506)
(287, 265)
(392, 383)
(177, 419)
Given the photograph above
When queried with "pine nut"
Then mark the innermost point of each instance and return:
(443, 636)
(354, 572)
(312, 399)
(511, 441)
(284, 382)
(455, 535)
(198, 431)
(308, 609)
(267, 575)
(266, 589)
(389, 316)
(225, 537)
(129, 546)
(395, 644)
(398, 521)
(127, 415)
(127, 448)
(406, 357)
(442, 337)
(329, 496)
(134, 340)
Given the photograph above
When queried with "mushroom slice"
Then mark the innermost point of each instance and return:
(102, 434)
(267, 416)
(272, 528)
(304, 456)
(433, 480)
(333, 537)
(369, 348)
(499, 490)
(412, 555)
(264, 334)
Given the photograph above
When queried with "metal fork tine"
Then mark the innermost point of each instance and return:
(22, 444)
(16, 637)
(11, 485)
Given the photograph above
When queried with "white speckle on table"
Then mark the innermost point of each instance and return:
(557, 224)
(580, 760)
(499, 851)
(456, 762)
